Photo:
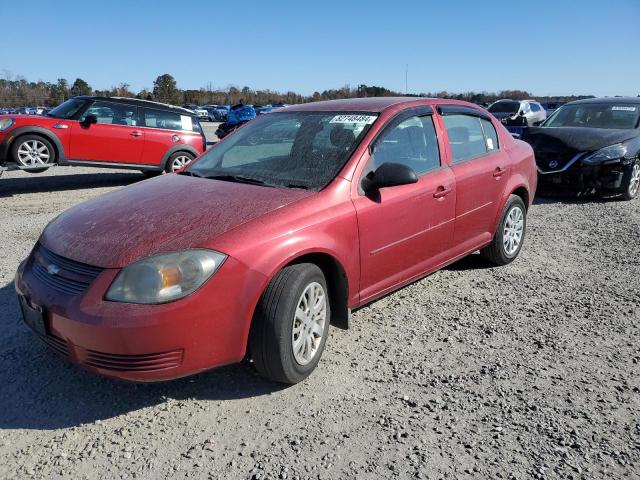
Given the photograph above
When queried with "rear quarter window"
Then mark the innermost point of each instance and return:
(170, 120)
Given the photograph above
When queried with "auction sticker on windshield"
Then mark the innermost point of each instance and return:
(363, 119)
(624, 109)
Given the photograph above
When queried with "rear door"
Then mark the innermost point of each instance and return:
(116, 138)
(165, 129)
(405, 230)
(480, 167)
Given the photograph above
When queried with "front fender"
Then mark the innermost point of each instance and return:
(58, 142)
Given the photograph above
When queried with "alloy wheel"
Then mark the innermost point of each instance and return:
(634, 182)
(33, 154)
(179, 162)
(309, 323)
(513, 230)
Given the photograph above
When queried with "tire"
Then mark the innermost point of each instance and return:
(632, 181)
(499, 253)
(178, 160)
(33, 153)
(273, 333)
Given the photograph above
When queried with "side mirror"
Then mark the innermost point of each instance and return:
(522, 114)
(388, 175)
(90, 119)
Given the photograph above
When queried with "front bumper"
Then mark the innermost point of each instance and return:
(581, 178)
(146, 343)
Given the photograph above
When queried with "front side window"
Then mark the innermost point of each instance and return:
(535, 107)
(466, 136)
(109, 113)
(288, 149)
(411, 142)
(67, 109)
(595, 115)
(169, 120)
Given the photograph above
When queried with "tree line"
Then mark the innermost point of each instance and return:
(19, 92)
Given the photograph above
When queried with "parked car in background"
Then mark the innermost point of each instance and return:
(590, 146)
(221, 112)
(518, 112)
(202, 113)
(273, 235)
(551, 107)
(262, 109)
(102, 132)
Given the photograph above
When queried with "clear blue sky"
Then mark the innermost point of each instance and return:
(546, 47)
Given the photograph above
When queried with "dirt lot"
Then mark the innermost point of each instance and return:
(525, 371)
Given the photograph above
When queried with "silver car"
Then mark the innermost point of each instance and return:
(518, 112)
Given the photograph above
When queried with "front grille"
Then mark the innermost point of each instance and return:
(62, 274)
(554, 161)
(133, 363)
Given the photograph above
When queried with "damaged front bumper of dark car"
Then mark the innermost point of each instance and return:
(579, 175)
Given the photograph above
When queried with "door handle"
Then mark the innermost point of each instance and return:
(441, 191)
(136, 134)
(498, 172)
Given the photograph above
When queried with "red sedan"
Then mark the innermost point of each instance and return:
(275, 234)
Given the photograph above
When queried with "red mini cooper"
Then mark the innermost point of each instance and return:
(102, 132)
(281, 229)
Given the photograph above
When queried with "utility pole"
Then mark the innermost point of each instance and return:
(406, 79)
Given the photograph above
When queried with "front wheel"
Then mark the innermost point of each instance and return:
(508, 239)
(291, 324)
(33, 153)
(632, 185)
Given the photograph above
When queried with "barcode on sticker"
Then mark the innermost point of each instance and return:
(363, 119)
(624, 109)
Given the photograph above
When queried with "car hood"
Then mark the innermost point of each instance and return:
(501, 115)
(574, 139)
(164, 214)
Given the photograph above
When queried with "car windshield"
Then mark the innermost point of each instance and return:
(505, 107)
(287, 149)
(595, 115)
(67, 109)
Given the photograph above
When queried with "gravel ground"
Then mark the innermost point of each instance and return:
(524, 371)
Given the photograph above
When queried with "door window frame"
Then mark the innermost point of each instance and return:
(445, 110)
(130, 105)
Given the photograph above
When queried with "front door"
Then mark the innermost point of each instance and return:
(115, 138)
(405, 230)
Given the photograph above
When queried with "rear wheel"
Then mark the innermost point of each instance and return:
(632, 184)
(508, 239)
(291, 325)
(33, 153)
(177, 161)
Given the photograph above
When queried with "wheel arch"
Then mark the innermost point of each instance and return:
(176, 149)
(35, 130)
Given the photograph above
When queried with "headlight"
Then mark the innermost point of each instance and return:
(165, 277)
(612, 152)
(6, 123)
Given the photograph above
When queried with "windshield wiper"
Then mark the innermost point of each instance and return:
(237, 179)
(191, 174)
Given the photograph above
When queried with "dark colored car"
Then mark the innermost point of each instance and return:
(102, 132)
(274, 234)
(590, 146)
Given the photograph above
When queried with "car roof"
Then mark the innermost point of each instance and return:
(369, 104)
(608, 101)
(138, 102)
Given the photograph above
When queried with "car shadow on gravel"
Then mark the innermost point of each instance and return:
(549, 199)
(35, 184)
(41, 390)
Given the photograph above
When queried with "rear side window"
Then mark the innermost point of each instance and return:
(113, 113)
(535, 107)
(169, 120)
(412, 142)
(466, 137)
(490, 135)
